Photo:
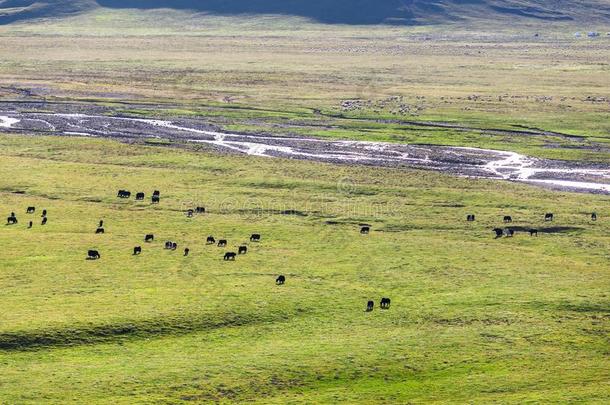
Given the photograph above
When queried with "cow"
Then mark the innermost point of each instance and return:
(30, 210)
(255, 237)
(470, 218)
(533, 232)
(499, 232)
(99, 230)
(44, 221)
(155, 199)
(369, 306)
(93, 255)
(385, 303)
(594, 217)
(124, 194)
(230, 256)
(509, 232)
(365, 230)
(280, 280)
(140, 197)
(210, 240)
(200, 210)
(12, 220)
(508, 219)
(137, 250)
(44, 213)
(242, 250)
(149, 238)
(190, 213)
(186, 252)
(548, 216)
(222, 243)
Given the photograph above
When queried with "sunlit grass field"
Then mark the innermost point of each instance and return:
(473, 319)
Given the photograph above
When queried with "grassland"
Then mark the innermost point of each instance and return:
(473, 319)
(286, 75)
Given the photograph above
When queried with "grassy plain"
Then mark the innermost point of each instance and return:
(473, 319)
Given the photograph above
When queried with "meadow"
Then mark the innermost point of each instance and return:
(473, 319)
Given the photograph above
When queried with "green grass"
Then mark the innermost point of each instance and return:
(473, 319)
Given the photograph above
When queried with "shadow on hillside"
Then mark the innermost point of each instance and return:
(75, 335)
(332, 12)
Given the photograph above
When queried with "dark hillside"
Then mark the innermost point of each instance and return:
(404, 12)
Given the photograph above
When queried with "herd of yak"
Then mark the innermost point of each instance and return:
(509, 232)
(242, 250)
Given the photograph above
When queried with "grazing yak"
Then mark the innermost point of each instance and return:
(508, 219)
(200, 210)
(186, 251)
(149, 238)
(230, 256)
(190, 213)
(280, 280)
(365, 230)
(156, 193)
(499, 232)
(171, 245)
(137, 250)
(548, 216)
(470, 218)
(99, 230)
(101, 223)
(31, 224)
(385, 303)
(210, 240)
(255, 237)
(44, 213)
(509, 232)
(369, 306)
(155, 199)
(12, 220)
(123, 194)
(30, 210)
(44, 221)
(140, 196)
(533, 232)
(594, 217)
(222, 243)
(242, 250)
(93, 255)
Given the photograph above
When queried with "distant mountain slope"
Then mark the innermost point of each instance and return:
(410, 12)
(14, 10)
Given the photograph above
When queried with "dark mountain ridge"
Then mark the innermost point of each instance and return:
(402, 12)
